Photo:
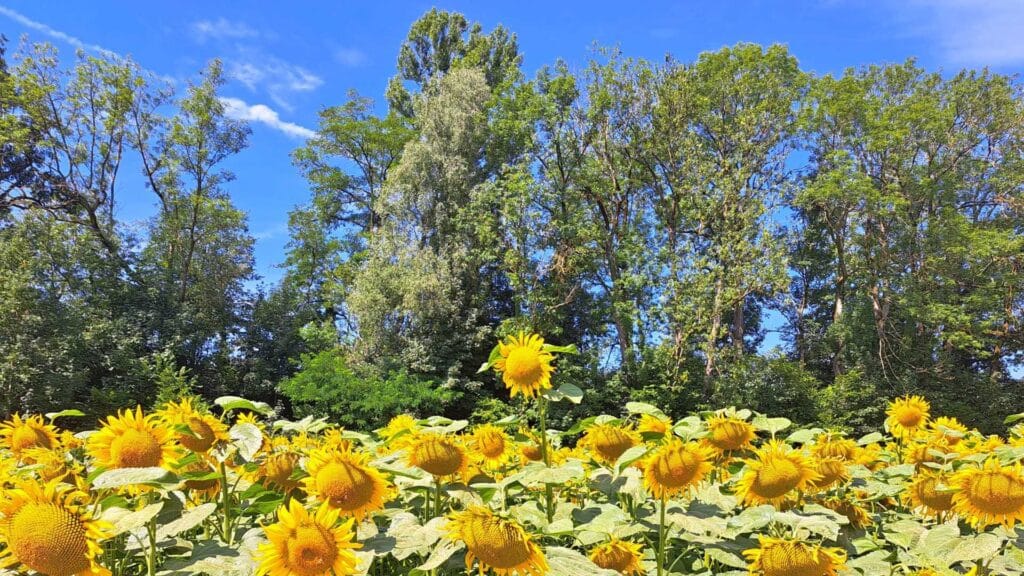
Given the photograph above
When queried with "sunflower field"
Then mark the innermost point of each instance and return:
(229, 490)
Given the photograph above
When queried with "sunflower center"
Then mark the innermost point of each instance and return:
(438, 457)
(345, 485)
(49, 540)
(790, 559)
(611, 443)
(135, 449)
(278, 470)
(614, 557)
(492, 445)
(729, 435)
(997, 493)
(909, 417)
(676, 468)
(202, 435)
(311, 551)
(25, 437)
(497, 543)
(776, 478)
(831, 470)
(523, 367)
(930, 496)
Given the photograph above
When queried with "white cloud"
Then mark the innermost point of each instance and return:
(55, 34)
(240, 110)
(350, 56)
(278, 78)
(222, 28)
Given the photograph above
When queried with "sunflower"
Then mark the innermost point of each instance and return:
(19, 434)
(437, 454)
(301, 544)
(531, 451)
(399, 430)
(496, 543)
(131, 440)
(607, 442)
(492, 445)
(780, 557)
(277, 469)
(47, 528)
(651, 424)
(676, 467)
(950, 430)
(831, 471)
(52, 465)
(346, 481)
(774, 473)
(906, 415)
(729, 434)
(833, 445)
(198, 431)
(524, 364)
(992, 494)
(928, 494)
(619, 555)
(858, 516)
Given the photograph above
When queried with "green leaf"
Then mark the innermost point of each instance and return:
(128, 476)
(247, 438)
(566, 391)
(51, 416)
(568, 562)
(187, 521)
(229, 403)
(630, 456)
(644, 408)
(771, 425)
(568, 349)
(125, 520)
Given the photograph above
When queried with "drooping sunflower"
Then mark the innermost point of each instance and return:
(651, 424)
(676, 467)
(18, 434)
(345, 480)
(834, 445)
(131, 440)
(204, 430)
(858, 516)
(992, 494)
(781, 557)
(52, 465)
(277, 470)
(47, 527)
(301, 544)
(907, 415)
(929, 494)
(496, 543)
(729, 434)
(831, 471)
(437, 454)
(607, 442)
(492, 445)
(524, 364)
(774, 473)
(619, 555)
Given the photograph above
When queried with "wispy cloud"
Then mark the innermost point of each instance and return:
(240, 110)
(351, 57)
(222, 29)
(965, 32)
(55, 34)
(278, 78)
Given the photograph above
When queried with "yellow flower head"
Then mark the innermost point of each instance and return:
(676, 467)
(346, 481)
(532, 452)
(779, 557)
(854, 512)
(400, 430)
(831, 471)
(131, 440)
(301, 544)
(775, 472)
(492, 445)
(496, 543)
(18, 434)
(906, 415)
(52, 465)
(950, 430)
(619, 555)
(437, 454)
(204, 430)
(607, 442)
(728, 434)
(47, 528)
(929, 494)
(652, 424)
(277, 469)
(524, 364)
(832, 445)
(992, 494)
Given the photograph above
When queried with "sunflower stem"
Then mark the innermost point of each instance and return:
(549, 492)
(151, 553)
(226, 532)
(661, 537)
(437, 495)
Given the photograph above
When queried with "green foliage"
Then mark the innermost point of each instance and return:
(774, 386)
(326, 386)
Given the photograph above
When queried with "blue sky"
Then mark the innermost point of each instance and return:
(288, 60)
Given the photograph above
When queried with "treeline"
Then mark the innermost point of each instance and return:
(665, 217)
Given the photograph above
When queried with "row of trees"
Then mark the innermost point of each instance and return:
(664, 217)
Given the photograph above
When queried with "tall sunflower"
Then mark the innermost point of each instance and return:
(301, 544)
(907, 415)
(780, 557)
(131, 440)
(607, 442)
(651, 424)
(992, 494)
(676, 467)
(346, 481)
(199, 431)
(438, 454)
(18, 434)
(524, 364)
(496, 543)
(47, 528)
(775, 472)
(619, 555)
(729, 434)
